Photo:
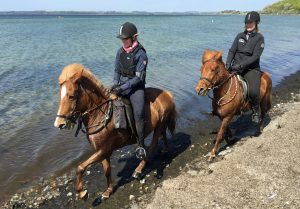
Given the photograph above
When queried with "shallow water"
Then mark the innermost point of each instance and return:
(35, 49)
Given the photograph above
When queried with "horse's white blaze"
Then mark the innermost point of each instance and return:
(63, 93)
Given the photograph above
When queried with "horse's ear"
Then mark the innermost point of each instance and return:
(77, 75)
(219, 55)
(204, 55)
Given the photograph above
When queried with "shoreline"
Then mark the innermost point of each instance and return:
(256, 172)
(59, 192)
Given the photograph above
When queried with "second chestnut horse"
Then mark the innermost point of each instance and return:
(228, 97)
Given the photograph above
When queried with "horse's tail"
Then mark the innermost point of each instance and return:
(267, 98)
(172, 117)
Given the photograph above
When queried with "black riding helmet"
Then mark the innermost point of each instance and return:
(252, 17)
(127, 30)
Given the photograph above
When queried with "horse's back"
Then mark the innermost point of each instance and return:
(154, 94)
(159, 101)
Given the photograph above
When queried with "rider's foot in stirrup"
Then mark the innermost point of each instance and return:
(140, 153)
(255, 118)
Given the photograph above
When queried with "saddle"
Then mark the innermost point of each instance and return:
(245, 87)
(123, 115)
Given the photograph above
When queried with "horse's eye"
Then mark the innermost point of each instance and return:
(71, 97)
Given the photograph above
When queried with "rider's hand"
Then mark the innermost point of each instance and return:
(113, 87)
(236, 68)
(117, 90)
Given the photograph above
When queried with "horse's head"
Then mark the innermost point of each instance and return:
(79, 90)
(212, 65)
(70, 95)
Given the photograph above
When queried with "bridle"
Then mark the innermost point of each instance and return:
(72, 117)
(214, 86)
(216, 73)
(75, 114)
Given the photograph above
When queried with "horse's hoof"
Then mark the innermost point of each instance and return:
(211, 158)
(83, 194)
(230, 141)
(137, 175)
(104, 196)
(257, 133)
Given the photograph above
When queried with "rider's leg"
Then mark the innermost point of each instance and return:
(138, 100)
(253, 79)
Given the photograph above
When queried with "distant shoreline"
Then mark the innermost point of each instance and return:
(133, 13)
(102, 13)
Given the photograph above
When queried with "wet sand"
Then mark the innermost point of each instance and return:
(186, 156)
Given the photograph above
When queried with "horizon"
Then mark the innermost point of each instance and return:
(167, 6)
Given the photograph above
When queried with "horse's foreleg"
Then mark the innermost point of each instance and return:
(138, 171)
(98, 156)
(107, 173)
(223, 128)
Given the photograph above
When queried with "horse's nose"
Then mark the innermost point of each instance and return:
(62, 126)
(201, 91)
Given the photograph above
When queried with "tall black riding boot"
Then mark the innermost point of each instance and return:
(253, 79)
(256, 116)
(141, 149)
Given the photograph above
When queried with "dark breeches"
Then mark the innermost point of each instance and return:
(253, 79)
(137, 99)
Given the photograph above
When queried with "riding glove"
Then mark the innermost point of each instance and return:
(117, 90)
(113, 87)
(236, 68)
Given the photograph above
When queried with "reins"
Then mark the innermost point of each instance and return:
(218, 102)
(235, 92)
(102, 124)
(77, 115)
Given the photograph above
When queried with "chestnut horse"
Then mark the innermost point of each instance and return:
(228, 98)
(84, 98)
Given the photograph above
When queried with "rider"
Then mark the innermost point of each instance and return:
(129, 78)
(244, 57)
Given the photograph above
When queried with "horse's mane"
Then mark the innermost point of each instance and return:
(75, 71)
(211, 55)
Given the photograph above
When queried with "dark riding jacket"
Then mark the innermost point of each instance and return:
(130, 69)
(246, 51)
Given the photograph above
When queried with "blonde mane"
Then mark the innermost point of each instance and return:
(75, 71)
(211, 54)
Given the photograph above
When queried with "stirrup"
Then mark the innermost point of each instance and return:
(140, 153)
(256, 118)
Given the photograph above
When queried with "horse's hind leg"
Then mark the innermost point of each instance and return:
(265, 104)
(138, 171)
(165, 140)
(98, 156)
(229, 138)
(107, 173)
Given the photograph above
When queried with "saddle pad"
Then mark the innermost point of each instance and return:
(120, 120)
(244, 85)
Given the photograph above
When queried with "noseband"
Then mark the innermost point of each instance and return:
(214, 86)
(217, 71)
(74, 114)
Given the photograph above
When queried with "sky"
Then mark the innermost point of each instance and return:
(134, 5)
